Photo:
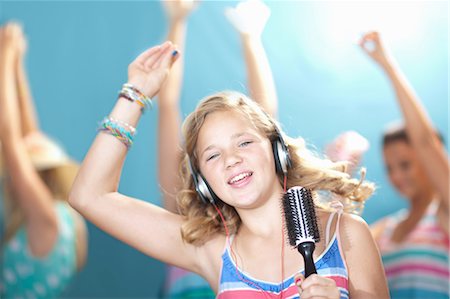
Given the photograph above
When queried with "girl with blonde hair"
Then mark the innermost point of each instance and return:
(230, 230)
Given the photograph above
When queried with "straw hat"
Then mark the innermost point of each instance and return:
(44, 152)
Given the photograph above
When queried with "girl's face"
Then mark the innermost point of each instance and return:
(404, 169)
(236, 160)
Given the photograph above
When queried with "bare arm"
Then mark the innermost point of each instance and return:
(28, 189)
(169, 121)
(249, 18)
(148, 228)
(418, 124)
(260, 79)
(27, 109)
(365, 269)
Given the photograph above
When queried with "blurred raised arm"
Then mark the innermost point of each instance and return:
(27, 188)
(169, 121)
(418, 124)
(249, 18)
(28, 116)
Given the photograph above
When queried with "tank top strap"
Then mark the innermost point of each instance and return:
(338, 209)
(228, 242)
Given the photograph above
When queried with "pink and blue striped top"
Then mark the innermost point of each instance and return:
(418, 267)
(234, 283)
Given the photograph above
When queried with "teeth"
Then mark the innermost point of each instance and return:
(239, 177)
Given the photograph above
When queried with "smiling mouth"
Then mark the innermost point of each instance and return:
(240, 177)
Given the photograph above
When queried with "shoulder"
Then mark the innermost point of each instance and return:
(211, 264)
(357, 242)
(363, 260)
(354, 230)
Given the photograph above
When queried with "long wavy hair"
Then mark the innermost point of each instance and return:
(308, 170)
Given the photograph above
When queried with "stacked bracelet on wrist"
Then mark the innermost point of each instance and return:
(119, 129)
(133, 94)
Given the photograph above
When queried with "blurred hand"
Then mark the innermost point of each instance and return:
(316, 286)
(348, 146)
(179, 9)
(249, 17)
(150, 69)
(9, 41)
(20, 40)
(372, 45)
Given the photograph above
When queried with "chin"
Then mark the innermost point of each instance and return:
(408, 194)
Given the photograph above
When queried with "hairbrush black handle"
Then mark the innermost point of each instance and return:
(306, 249)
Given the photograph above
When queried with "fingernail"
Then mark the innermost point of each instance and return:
(174, 53)
(298, 280)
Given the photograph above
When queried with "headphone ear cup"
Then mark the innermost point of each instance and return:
(200, 186)
(205, 192)
(276, 157)
(281, 156)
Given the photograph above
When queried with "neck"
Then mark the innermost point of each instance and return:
(420, 203)
(264, 222)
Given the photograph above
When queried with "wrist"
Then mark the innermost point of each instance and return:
(388, 65)
(139, 84)
(10, 136)
(178, 21)
(250, 38)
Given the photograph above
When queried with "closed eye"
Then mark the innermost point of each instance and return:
(245, 143)
(213, 156)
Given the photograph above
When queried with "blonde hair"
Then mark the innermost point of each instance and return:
(308, 170)
(59, 181)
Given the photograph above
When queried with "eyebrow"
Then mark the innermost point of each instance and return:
(234, 136)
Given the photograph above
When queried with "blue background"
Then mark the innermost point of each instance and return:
(79, 52)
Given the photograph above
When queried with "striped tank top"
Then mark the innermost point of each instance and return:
(234, 283)
(418, 267)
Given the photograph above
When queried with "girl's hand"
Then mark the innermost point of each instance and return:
(372, 45)
(179, 9)
(150, 69)
(316, 286)
(21, 41)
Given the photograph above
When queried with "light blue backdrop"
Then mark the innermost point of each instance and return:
(79, 52)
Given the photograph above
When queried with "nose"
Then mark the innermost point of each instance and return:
(232, 159)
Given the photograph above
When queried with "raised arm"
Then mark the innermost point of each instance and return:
(27, 188)
(27, 109)
(249, 18)
(169, 121)
(418, 124)
(148, 228)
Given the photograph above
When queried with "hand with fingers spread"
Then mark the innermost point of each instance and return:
(372, 44)
(150, 69)
(179, 9)
(316, 286)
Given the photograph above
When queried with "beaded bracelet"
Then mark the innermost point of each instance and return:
(119, 129)
(133, 94)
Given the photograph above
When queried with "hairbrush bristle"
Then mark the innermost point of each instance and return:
(300, 215)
